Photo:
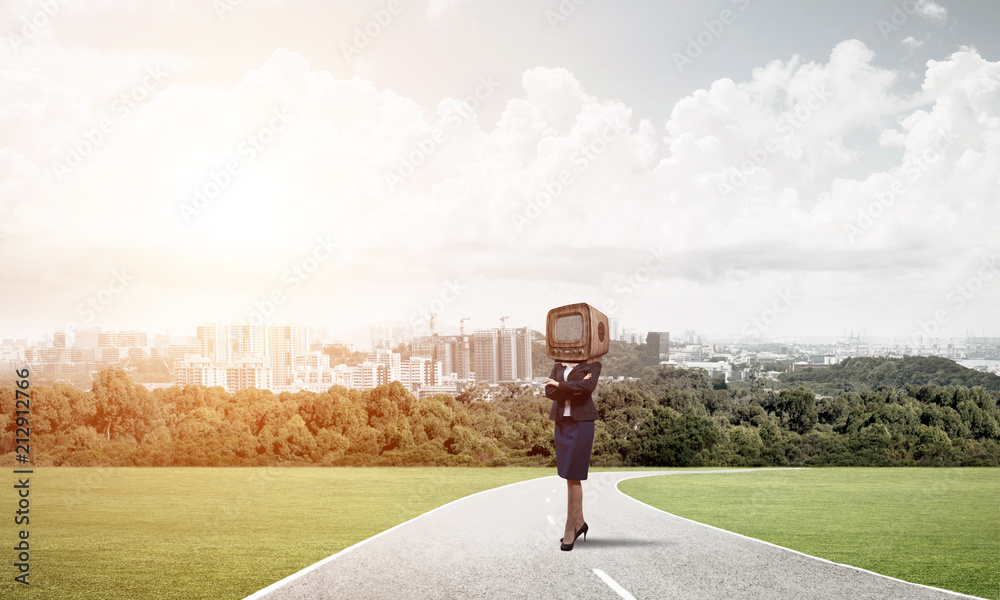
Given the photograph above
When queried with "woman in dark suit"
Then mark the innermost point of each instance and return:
(570, 386)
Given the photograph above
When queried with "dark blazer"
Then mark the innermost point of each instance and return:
(576, 391)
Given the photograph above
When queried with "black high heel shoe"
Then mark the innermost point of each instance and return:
(576, 534)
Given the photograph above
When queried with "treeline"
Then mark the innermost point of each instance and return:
(666, 418)
(869, 373)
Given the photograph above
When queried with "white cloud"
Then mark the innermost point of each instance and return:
(932, 10)
(610, 188)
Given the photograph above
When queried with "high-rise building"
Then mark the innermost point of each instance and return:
(284, 344)
(444, 353)
(195, 370)
(390, 359)
(243, 373)
(616, 328)
(502, 354)
(485, 347)
(461, 364)
(370, 375)
(213, 343)
(122, 339)
(657, 347)
(423, 346)
(452, 351)
(507, 351)
(419, 371)
(248, 372)
(225, 343)
(248, 339)
(633, 336)
(524, 359)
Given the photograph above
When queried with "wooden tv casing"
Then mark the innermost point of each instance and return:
(594, 344)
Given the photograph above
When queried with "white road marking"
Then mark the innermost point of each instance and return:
(546, 499)
(552, 520)
(614, 585)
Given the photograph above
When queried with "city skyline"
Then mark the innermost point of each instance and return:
(361, 336)
(729, 167)
(295, 357)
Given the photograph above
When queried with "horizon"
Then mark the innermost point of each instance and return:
(363, 337)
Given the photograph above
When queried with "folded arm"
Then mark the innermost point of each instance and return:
(552, 391)
(583, 386)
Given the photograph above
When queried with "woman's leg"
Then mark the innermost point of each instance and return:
(574, 508)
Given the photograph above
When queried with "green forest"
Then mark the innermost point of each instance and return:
(666, 417)
(872, 373)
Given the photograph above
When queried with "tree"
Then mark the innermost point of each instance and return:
(294, 441)
(670, 439)
(797, 409)
(123, 409)
(746, 442)
(934, 447)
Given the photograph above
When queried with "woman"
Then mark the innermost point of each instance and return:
(570, 386)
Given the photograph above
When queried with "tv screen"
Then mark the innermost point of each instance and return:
(569, 328)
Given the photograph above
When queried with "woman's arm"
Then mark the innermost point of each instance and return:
(586, 385)
(551, 385)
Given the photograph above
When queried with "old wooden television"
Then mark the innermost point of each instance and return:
(577, 333)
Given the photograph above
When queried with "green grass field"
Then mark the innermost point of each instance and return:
(938, 527)
(218, 533)
(224, 533)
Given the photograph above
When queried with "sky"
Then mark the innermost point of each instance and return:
(744, 168)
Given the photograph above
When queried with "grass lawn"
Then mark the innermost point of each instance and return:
(219, 533)
(224, 533)
(938, 527)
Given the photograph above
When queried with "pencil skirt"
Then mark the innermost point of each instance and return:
(574, 441)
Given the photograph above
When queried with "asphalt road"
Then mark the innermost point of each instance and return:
(504, 543)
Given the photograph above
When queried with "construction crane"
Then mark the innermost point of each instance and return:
(461, 325)
(432, 322)
(503, 321)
